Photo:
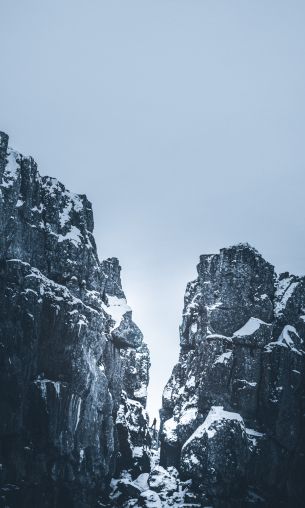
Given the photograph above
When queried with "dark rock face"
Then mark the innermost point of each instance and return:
(233, 410)
(68, 348)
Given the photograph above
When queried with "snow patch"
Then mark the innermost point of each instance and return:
(286, 340)
(116, 308)
(151, 499)
(169, 431)
(213, 306)
(216, 415)
(191, 382)
(194, 328)
(137, 452)
(224, 358)
(284, 291)
(188, 416)
(141, 482)
(253, 435)
(74, 236)
(141, 392)
(250, 327)
(11, 169)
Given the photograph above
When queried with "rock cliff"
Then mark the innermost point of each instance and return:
(73, 364)
(74, 370)
(233, 410)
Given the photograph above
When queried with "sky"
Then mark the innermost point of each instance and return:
(182, 120)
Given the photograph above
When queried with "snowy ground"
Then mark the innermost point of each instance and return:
(161, 488)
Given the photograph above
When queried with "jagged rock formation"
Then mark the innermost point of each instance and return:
(68, 348)
(233, 410)
(74, 370)
(160, 488)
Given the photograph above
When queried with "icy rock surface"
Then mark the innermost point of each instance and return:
(68, 348)
(232, 417)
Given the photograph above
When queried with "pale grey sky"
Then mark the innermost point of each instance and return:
(183, 122)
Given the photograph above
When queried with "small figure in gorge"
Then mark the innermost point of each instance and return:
(153, 427)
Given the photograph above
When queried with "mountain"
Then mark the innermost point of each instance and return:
(73, 364)
(233, 409)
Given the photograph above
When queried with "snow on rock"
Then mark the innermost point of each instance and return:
(137, 452)
(254, 436)
(212, 421)
(123, 489)
(191, 382)
(217, 452)
(252, 325)
(62, 360)
(142, 481)
(73, 235)
(289, 338)
(141, 392)
(169, 430)
(133, 436)
(135, 373)
(284, 291)
(161, 480)
(160, 488)
(188, 416)
(116, 308)
(224, 357)
(243, 358)
(150, 499)
(285, 339)
(11, 170)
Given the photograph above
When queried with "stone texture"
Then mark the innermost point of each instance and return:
(242, 351)
(160, 488)
(68, 347)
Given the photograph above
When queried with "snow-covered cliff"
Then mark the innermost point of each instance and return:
(73, 364)
(233, 416)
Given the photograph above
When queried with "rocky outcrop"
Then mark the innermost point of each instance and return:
(233, 410)
(73, 365)
(159, 488)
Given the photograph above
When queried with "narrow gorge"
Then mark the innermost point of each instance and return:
(74, 371)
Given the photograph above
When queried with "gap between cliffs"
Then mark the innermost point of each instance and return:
(74, 372)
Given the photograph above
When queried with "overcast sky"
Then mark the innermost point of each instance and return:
(183, 122)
